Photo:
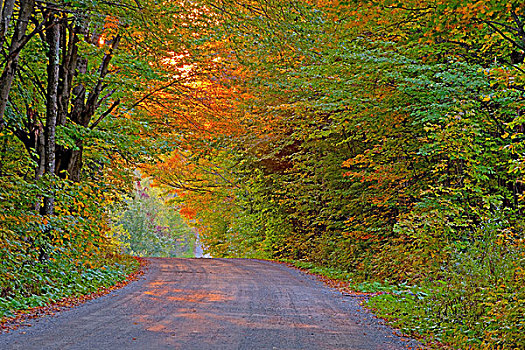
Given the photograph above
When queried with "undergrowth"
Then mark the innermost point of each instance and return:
(33, 284)
(476, 301)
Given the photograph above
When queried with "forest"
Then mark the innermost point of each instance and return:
(379, 142)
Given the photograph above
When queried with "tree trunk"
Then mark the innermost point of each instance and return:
(11, 65)
(69, 43)
(53, 40)
(83, 109)
(6, 9)
(68, 70)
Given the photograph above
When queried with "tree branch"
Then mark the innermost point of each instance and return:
(515, 43)
(105, 114)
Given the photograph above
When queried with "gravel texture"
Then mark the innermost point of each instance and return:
(213, 304)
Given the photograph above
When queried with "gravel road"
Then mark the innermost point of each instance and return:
(212, 304)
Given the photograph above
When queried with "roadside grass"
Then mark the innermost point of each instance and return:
(38, 284)
(351, 280)
(463, 310)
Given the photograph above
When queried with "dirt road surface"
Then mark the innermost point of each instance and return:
(212, 304)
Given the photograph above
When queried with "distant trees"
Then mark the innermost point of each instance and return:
(149, 226)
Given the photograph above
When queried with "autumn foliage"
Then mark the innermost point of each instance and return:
(383, 138)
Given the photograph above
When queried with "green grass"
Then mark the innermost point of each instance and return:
(353, 280)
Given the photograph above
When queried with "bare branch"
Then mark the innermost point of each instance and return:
(521, 31)
(515, 43)
(105, 114)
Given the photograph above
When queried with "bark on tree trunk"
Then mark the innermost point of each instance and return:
(11, 65)
(6, 9)
(69, 43)
(68, 70)
(84, 107)
(53, 40)
(40, 142)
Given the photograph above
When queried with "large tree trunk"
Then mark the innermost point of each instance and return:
(11, 65)
(83, 109)
(53, 40)
(69, 43)
(67, 102)
(69, 161)
(71, 65)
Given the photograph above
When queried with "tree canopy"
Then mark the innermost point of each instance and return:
(382, 138)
